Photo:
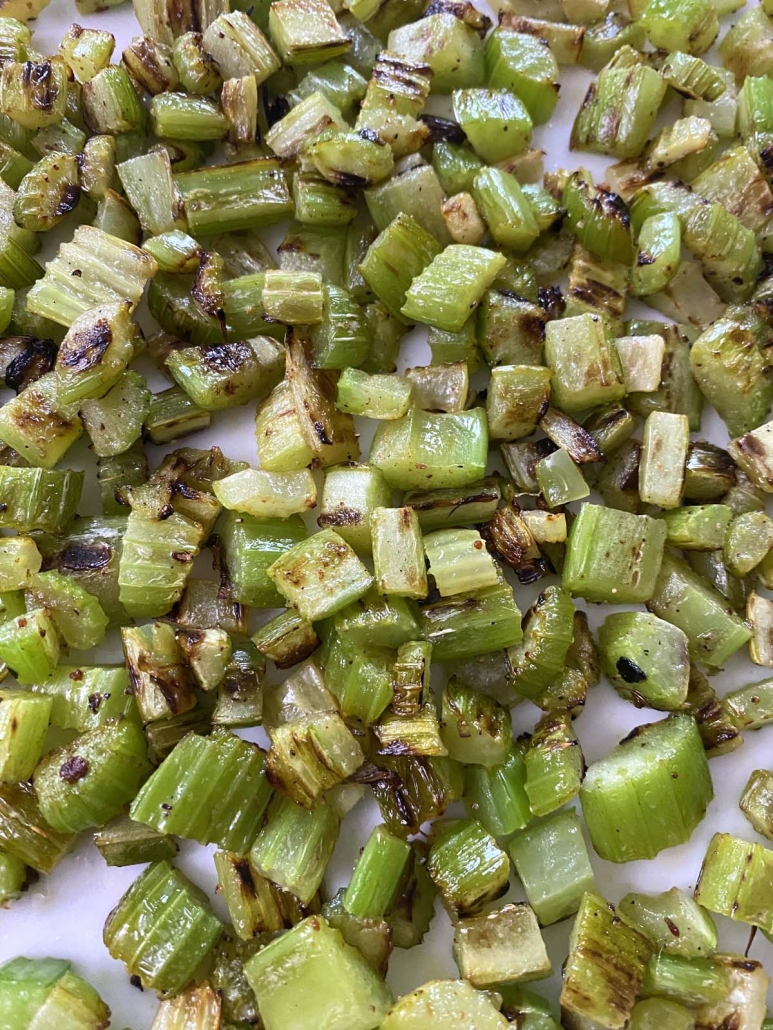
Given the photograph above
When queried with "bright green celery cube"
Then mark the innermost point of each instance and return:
(29, 646)
(505, 209)
(552, 862)
(524, 64)
(349, 497)
(311, 979)
(496, 122)
(426, 449)
(251, 547)
(450, 288)
(613, 556)
(451, 48)
(320, 576)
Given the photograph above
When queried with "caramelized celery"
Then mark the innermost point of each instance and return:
(25, 834)
(467, 865)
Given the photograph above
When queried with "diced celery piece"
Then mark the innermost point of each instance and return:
(251, 547)
(320, 576)
(496, 122)
(587, 371)
(29, 646)
(501, 947)
(672, 921)
(24, 721)
(648, 793)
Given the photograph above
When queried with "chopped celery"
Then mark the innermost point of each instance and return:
(452, 1004)
(648, 793)
(407, 453)
(320, 576)
(735, 881)
(496, 122)
(757, 802)
(486, 951)
(468, 866)
(672, 921)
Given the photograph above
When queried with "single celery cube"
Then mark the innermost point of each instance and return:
(349, 497)
(450, 1004)
(648, 793)
(24, 721)
(451, 47)
(673, 921)
(459, 561)
(552, 862)
(646, 659)
(516, 400)
(559, 479)
(496, 122)
(306, 32)
(320, 576)
(162, 928)
(29, 646)
(613, 556)
(251, 547)
(468, 866)
(501, 947)
(43, 992)
(505, 209)
(524, 64)
(736, 880)
(426, 449)
(449, 289)
(586, 367)
(311, 979)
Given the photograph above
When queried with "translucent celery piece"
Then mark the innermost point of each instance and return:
(313, 978)
(646, 660)
(453, 1004)
(25, 834)
(552, 862)
(409, 456)
(474, 728)
(757, 802)
(502, 947)
(45, 992)
(468, 866)
(672, 921)
(663, 761)
(23, 723)
(320, 576)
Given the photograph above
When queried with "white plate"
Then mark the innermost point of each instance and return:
(63, 915)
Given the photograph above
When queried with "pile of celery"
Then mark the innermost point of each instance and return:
(340, 580)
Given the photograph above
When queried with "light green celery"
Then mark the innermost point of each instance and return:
(30, 646)
(501, 947)
(379, 397)
(496, 122)
(663, 761)
(24, 721)
(672, 921)
(267, 495)
(474, 727)
(320, 576)
(467, 865)
(554, 764)
(398, 553)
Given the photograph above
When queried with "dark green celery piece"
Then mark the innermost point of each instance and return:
(466, 625)
(613, 556)
(415, 789)
(24, 720)
(44, 991)
(467, 865)
(88, 782)
(600, 219)
(225, 198)
(474, 727)
(227, 375)
(510, 330)
(407, 451)
(672, 921)
(395, 258)
(599, 126)
(684, 599)
(239, 1005)
(659, 250)
(757, 802)
(501, 947)
(606, 966)
(548, 634)
(525, 64)
(210, 789)
(123, 842)
(554, 764)
(378, 875)
(451, 47)
(646, 660)
(295, 845)
(250, 547)
(648, 793)
(311, 976)
(496, 795)
(25, 834)
(552, 862)
(495, 121)
(162, 928)
(693, 982)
